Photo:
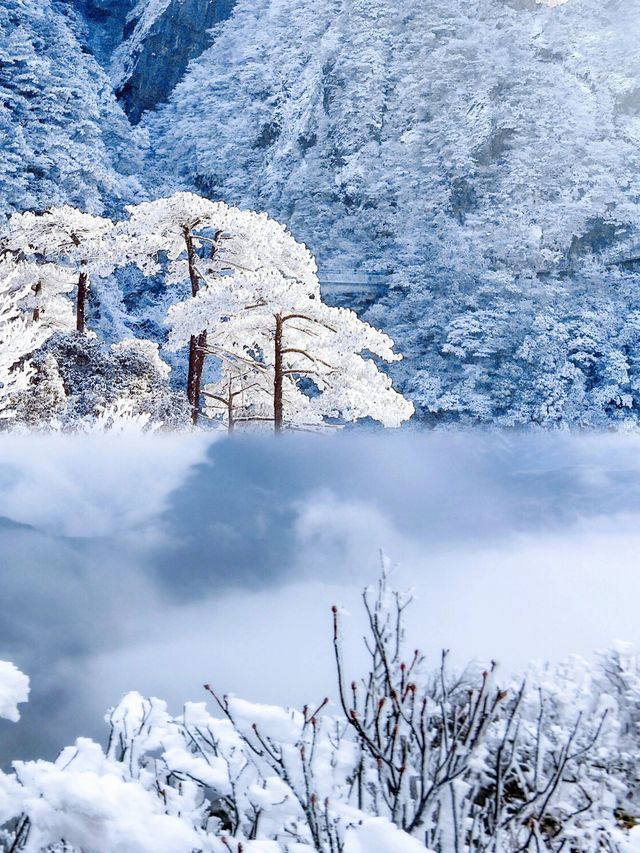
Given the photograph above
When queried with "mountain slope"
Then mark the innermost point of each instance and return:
(64, 139)
(478, 118)
(482, 155)
(161, 37)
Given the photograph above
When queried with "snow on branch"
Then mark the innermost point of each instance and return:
(413, 757)
(263, 348)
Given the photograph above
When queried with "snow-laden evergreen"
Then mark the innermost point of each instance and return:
(256, 306)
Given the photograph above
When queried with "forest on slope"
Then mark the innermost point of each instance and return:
(479, 159)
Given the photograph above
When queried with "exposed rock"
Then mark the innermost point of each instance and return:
(104, 22)
(162, 37)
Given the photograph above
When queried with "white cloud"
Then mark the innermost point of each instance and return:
(93, 485)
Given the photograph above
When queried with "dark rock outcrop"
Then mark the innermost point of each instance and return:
(104, 21)
(153, 62)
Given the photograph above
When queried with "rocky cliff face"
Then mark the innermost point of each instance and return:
(161, 38)
(104, 22)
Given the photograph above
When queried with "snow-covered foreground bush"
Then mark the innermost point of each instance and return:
(415, 759)
(14, 689)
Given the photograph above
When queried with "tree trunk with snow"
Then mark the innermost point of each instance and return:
(36, 311)
(81, 301)
(198, 343)
(277, 379)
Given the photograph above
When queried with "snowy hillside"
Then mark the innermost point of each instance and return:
(483, 156)
(377, 135)
(64, 138)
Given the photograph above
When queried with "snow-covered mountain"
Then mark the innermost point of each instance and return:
(483, 156)
(63, 136)
(477, 159)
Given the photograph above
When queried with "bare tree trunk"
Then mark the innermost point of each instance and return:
(192, 360)
(201, 349)
(197, 348)
(230, 419)
(81, 302)
(277, 379)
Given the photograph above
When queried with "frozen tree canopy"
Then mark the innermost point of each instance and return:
(253, 304)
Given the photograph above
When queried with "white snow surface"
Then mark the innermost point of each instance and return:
(378, 835)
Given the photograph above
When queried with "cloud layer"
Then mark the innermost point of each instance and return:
(161, 564)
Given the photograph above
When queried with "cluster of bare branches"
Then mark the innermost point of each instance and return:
(297, 764)
(461, 762)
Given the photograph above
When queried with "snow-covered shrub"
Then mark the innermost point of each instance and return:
(412, 759)
(466, 763)
(77, 383)
(14, 689)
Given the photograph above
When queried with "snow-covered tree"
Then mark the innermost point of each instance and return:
(281, 327)
(70, 238)
(179, 228)
(34, 304)
(255, 302)
(242, 394)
